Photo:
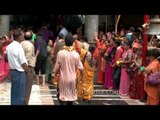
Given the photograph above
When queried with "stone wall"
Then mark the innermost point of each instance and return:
(4, 24)
(91, 26)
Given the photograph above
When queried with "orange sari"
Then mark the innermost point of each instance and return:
(79, 77)
(87, 82)
(153, 92)
(86, 85)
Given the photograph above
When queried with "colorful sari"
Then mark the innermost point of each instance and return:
(125, 79)
(137, 87)
(1, 67)
(101, 73)
(109, 83)
(87, 84)
(82, 54)
(4, 66)
(153, 92)
(79, 77)
(96, 56)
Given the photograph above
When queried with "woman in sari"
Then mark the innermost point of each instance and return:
(82, 52)
(4, 65)
(87, 83)
(136, 84)
(96, 55)
(153, 91)
(125, 76)
(110, 57)
(102, 50)
(81, 87)
(1, 65)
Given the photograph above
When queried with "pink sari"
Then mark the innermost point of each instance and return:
(1, 67)
(125, 77)
(109, 83)
(4, 66)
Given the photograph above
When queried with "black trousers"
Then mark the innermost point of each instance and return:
(40, 66)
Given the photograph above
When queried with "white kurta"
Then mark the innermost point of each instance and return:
(68, 62)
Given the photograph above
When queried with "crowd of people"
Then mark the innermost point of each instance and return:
(120, 63)
(117, 57)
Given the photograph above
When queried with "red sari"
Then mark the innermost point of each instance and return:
(101, 73)
(137, 81)
(4, 66)
(136, 85)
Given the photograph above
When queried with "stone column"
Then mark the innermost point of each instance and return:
(91, 26)
(4, 24)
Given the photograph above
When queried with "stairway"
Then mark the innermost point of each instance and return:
(47, 96)
(101, 97)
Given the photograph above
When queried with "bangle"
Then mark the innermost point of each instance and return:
(142, 68)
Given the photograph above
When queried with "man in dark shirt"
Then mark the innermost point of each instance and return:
(41, 55)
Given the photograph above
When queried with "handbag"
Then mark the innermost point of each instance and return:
(153, 79)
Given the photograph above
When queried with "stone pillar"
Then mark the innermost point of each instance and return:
(4, 24)
(91, 26)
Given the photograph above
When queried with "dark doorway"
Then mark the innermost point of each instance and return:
(131, 20)
(72, 22)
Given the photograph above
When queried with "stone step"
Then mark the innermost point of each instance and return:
(96, 92)
(106, 99)
(98, 86)
(95, 86)
(94, 96)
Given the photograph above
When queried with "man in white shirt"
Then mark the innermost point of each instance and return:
(31, 58)
(18, 66)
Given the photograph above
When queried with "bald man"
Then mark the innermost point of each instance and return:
(30, 56)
